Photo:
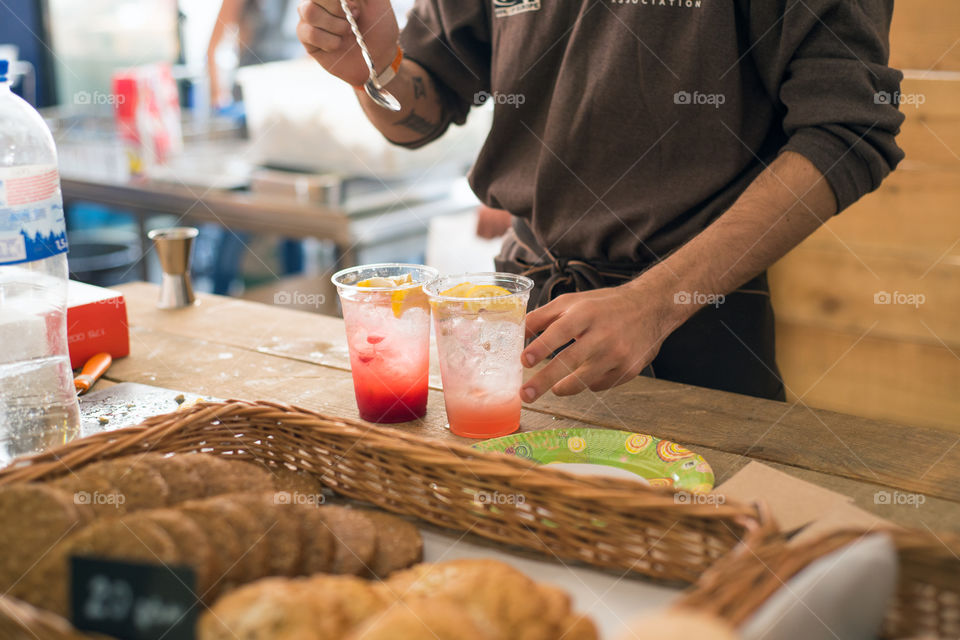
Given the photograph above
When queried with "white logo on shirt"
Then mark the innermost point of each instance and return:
(676, 4)
(504, 8)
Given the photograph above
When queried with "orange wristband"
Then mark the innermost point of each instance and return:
(390, 72)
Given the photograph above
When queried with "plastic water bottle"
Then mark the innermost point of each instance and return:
(38, 403)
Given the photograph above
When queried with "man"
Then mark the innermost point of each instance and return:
(657, 157)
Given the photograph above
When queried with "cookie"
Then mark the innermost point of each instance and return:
(213, 518)
(399, 544)
(138, 540)
(296, 482)
(317, 545)
(138, 485)
(35, 518)
(193, 548)
(183, 480)
(96, 496)
(279, 532)
(221, 475)
(251, 536)
(354, 537)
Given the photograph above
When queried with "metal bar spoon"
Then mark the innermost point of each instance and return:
(372, 86)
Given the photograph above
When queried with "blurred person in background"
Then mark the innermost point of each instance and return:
(265, 31)
(492, 223)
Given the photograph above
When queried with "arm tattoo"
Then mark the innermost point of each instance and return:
(419, 89)
(417, 123)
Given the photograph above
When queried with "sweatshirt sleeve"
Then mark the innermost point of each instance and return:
(451, 40)
(824, 63)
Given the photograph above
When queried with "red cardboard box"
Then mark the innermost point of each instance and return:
(96, 322)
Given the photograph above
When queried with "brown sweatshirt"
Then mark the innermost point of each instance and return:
(622, 128)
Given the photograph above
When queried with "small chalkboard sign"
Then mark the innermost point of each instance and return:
(133, 601)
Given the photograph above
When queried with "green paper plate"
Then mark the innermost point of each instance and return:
(660, 462)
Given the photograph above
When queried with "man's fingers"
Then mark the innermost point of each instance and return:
(540, 319)
(558, 334)
(586, 377)
(559, 368)
(318, 38)
(332, 7)
(317, 16)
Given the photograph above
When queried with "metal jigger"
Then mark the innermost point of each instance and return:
(174, 247)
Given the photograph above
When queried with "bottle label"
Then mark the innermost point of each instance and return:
(32, 224)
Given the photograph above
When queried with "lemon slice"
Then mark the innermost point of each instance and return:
(407, 299)
(486, 291)
(386, 283)
(470, 290)
(379, 283)
(458, 291)
(402, 299)
(491, 291)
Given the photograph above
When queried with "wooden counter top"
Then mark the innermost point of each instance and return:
(227, 347)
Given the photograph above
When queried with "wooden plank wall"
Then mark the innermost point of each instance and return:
(868, 308)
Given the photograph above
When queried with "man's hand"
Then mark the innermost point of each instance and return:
(325, 33)
(616, 332)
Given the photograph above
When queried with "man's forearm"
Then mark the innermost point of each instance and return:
(421, 108)
(787, 202)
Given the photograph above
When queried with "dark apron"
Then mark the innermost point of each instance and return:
(730, 347)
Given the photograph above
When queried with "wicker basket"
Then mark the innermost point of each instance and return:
(608, 523)
(927, 602)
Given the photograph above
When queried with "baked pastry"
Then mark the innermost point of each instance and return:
(245, 553)
(476, 599)
(134, 539)
(679, 623)
(398, 546)
(220, 475)
(212, 518)
(93, 493)
(278, 531)
(133, 508)
(317, 545)
(296, 482)
(35, 518)
(180, 473)
(354, 539)
(514, 605)
(194, 548)
(138, 485)
(425, 619)
(21, 621)
(316, 608)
